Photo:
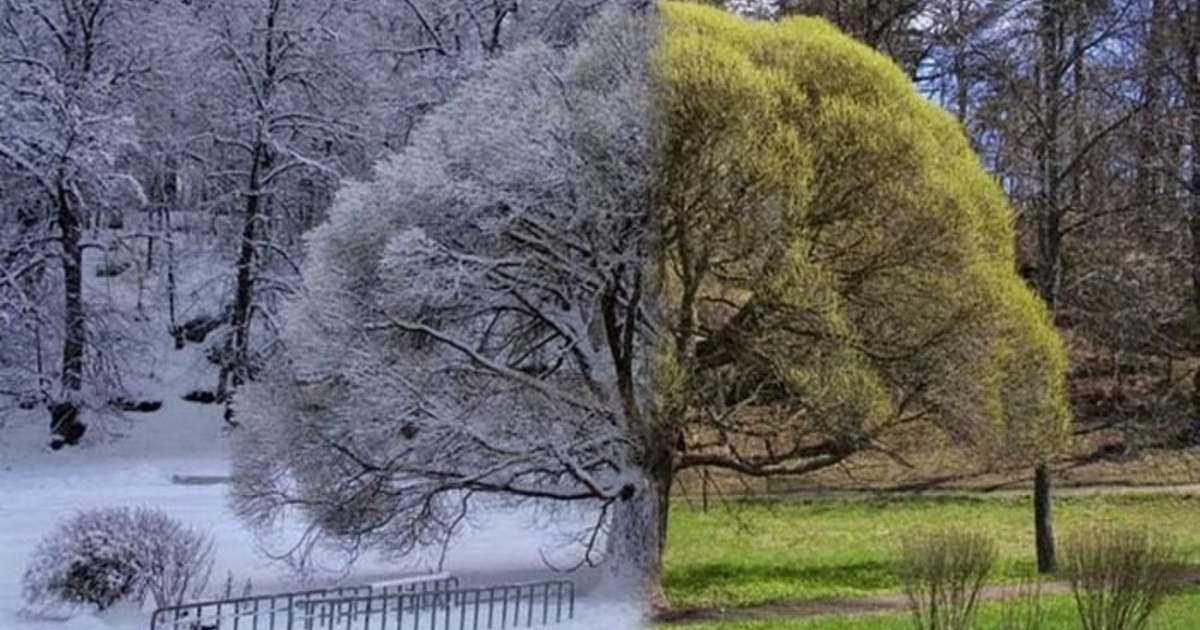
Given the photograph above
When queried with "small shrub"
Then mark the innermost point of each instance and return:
(943, 573)
(1022, 609)
(1118, 576)
(103, 556)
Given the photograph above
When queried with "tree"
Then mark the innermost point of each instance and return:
(61, 133)
(301, 94)
(889, 26)
(1188, 15)
(744, 245)
(892, 373)
(1051, 118)
(277, 90)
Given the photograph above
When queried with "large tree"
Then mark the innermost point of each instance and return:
(689, 240)
(64, 68)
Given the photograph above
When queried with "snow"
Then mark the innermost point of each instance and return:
(41, 487)
(140, 460)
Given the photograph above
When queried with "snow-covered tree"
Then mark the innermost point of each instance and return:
(62, 131)
(474, 321)
(274, 91)
(300, 94)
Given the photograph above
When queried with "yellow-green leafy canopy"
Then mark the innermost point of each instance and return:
(834, 257)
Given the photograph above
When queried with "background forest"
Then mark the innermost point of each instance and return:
(1088, 113)
(200, 138)
(193, 143)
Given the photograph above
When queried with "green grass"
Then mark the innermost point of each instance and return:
(1180, 612)
(749, 553)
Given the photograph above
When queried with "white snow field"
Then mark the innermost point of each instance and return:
(142, 460)
(39, 487)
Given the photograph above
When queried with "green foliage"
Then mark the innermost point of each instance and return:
(834, 257)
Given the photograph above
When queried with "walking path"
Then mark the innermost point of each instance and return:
(1060, 490)
(885, 603)
(890, 602)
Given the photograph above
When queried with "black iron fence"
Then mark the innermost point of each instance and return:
(285, 611)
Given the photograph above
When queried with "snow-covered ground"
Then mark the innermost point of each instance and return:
(39, 487)
(139, 461)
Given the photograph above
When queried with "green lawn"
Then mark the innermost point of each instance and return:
(750, 553)
(1180, 612)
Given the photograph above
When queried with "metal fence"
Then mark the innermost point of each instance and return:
(485, 608)
(284, 611)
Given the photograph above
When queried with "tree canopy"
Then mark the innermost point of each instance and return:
(689, 240)
(835, 261)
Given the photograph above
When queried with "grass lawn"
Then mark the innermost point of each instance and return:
(755, 552)
(1180, 612)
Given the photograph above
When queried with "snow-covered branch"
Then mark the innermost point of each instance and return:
(473, 319)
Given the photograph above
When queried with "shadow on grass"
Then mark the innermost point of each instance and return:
(748, 582)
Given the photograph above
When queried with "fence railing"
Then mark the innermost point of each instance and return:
(484, 608)
(284, 611)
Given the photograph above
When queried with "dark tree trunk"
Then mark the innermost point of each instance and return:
(235, 368)
(1043, 524)
(64, 413)
(1051, 69)
(171, 283)
(663, 477)
(1192, 47)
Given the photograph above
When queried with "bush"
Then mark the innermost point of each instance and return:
(1119, 576)
(943, 573)
(1023, 608)
(107, 555)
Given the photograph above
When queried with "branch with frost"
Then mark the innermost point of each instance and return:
(11, 155)
(469, 322)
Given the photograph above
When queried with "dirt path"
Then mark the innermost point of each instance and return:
(887, 603)
(1059, 490)
(831, 606)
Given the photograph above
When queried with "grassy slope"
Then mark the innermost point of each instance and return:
(744, 554)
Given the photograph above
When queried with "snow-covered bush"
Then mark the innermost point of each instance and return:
(103, 556)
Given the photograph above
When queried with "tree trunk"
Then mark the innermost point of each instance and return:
(171, 283)
(1150, 132)
(1051, 35)
(1193, 105)
(1042, 523)
(64, 412)
(235, 367)
(655, 594)
(633, 565)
